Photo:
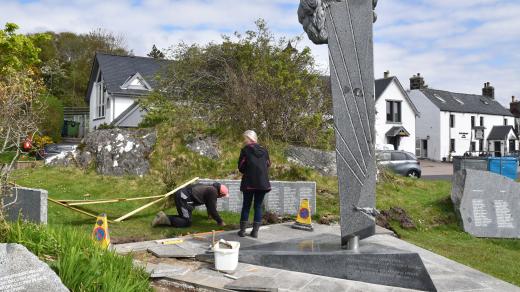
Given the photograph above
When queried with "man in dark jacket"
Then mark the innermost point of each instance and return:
(190, 197)
(254, 165)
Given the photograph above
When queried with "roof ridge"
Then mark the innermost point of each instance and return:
(128, 56)
(462, 93)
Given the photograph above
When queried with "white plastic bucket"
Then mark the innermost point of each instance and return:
(226, 259)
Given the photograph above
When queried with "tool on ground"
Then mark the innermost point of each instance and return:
(304, 220)
(100, 232)
(170, 241)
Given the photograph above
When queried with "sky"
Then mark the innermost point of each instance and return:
(457, 45)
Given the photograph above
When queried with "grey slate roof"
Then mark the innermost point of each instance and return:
(472, 103)
(500, 133)
(396, 130)
(383, 83)
(117, 69)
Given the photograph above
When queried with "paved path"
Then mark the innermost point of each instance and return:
(446, 274)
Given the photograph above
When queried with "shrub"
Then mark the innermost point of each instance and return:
(52, 123)
(80, 263)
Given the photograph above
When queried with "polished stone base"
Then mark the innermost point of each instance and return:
(323, 255)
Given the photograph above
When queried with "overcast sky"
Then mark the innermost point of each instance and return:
(456, 44)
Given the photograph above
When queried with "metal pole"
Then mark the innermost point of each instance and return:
(353, 243)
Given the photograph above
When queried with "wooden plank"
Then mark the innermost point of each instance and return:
(93, 202)
(156, 201)
(74, 209)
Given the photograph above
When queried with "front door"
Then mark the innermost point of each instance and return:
(394, 141)
(498, 149)
(512, 146)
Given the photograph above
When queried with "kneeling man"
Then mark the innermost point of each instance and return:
(187, 199)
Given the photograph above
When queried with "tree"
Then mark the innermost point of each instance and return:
(67, 60)
(20, 89)
(156, 53)
(250, 81)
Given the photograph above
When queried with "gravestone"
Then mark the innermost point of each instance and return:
(20, 270)
(30, 204)
(487, 203)
(283, 199)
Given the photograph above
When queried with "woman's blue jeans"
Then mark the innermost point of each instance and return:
(258, 197)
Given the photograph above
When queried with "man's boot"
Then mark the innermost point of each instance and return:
(256, 227)
(242, 231)
(161, 219)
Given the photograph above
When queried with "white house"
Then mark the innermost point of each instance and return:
(116, 82)
(454, 124)
(395, 115)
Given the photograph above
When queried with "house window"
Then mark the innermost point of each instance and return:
(481, 145)
(505, 122)
(473, 146)
(452, 121)
(452, 145)
(472, 122)
(393, 111)
(100, 99)
(482, 121)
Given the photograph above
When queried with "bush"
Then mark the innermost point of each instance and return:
(52, 123)
(80, 263)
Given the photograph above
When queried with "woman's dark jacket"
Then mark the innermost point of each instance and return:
(254, 165)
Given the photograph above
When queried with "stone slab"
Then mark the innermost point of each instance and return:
(323, 255)
(164, 270)
(487, 203)
(172, 251)
(254, 283)
(20, 270)
(283, 199)
(30, 204)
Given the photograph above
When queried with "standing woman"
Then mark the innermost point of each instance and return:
(254, 165)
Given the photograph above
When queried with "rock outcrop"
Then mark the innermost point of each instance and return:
(114, 152)
(322, 161)
(205, 146)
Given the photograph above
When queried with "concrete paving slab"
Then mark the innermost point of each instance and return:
(254, 283)
(172, 251)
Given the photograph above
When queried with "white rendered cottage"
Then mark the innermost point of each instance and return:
(454, 124)
(116, 82)
(395, 115)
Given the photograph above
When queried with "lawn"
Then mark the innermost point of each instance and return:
(74, 184)
(426, 202)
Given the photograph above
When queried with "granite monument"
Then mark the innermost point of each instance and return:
(283, 199)
(487, 203)
(29, 204)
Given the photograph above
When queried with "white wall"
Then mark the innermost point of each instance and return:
(94, 121)
(120, 105)
(393, 92)
(426, 124)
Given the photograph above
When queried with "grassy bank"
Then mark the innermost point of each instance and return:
(76, 259)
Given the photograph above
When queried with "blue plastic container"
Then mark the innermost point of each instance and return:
(506, 166)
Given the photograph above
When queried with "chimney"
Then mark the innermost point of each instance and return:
(514, 107)
(417, 82)
(386, 74)
(488, 90)
(513, 99)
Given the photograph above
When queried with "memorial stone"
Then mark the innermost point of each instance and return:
(30, 204)
(487, 203)
(283, 199)
(20, 270)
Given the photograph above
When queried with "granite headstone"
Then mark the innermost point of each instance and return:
(20, 270)
(283, 199)
(487, 203)
(30, 204)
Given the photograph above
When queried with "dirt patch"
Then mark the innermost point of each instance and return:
(396, 214)
(328, 219)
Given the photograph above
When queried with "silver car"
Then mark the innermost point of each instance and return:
(401, 162)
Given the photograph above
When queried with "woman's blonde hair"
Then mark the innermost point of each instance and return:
(251, 135)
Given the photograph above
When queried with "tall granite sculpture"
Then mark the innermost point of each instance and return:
(346, 25)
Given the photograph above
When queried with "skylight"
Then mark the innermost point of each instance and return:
(484, 101)
(439, 98)
(458, 100)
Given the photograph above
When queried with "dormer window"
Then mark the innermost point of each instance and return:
(136, 82)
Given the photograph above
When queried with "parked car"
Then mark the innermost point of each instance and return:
(401, 162)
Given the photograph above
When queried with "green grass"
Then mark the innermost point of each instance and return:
(429, 205)
(7, 157)
(74, 184)
(80, 263)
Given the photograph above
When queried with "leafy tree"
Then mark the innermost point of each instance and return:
(52, 124)
(156, 53)
(67, 61)
(249, 81)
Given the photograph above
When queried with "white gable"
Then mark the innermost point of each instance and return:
(136, 81)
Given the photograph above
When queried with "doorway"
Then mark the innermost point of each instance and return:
(498, 149)
(395, 140)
